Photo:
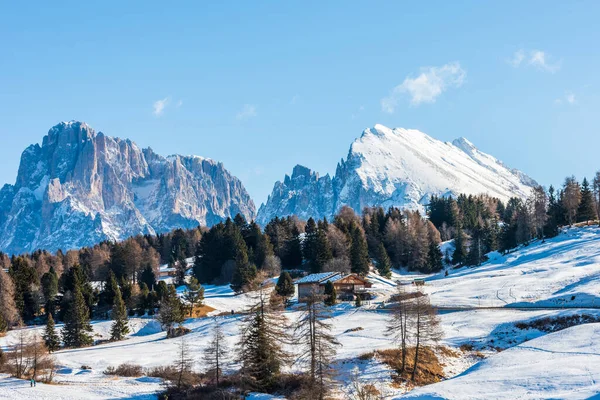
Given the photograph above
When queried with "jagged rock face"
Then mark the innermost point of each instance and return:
(80, 188)
(395, 167)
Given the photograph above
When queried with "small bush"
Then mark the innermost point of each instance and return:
(125, 369)
(177, 332)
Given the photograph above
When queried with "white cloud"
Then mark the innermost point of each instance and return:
(517, 58)
(179, 103)
(247, 111)
(426, 87)
(160, 105)
(569, 99)
(360, 110)
(294, 99)
(535, 58)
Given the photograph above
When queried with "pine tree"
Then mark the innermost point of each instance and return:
(50, 289)
(51, 338)
(194, 294)
(434, 257)
(261, 352)
(148, 277)
(330, 294)
(285, 285)
(384, 265)
(244, 272)
(77, 326)
(587, 209)
(171, 309)
(120, 327)
(359, 252)
(317, 344)
(216, 352)
(460, 250)
(322, 251)
(476, 251)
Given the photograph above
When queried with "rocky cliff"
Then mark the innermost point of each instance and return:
(81, 187)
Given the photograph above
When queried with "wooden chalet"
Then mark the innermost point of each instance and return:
(346, 285)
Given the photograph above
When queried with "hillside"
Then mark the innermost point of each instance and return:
(550, 365)
(394, 167)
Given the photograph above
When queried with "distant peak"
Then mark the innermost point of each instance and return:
(69, 132)
(464, 144)
(378, 130)
(301, 170)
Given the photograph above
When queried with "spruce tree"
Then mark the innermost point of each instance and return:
(261, 344)
(194, 294)
(120, 327)
(322, 251)
(285, 285)
(50, 289)
(171, 309)
(77, 326)
(460, 250)
(310, 245)
(51, 338)
(148, 277)
(330, 294)
(384, 265)
(359, 252)
(434, 257)
(587, 209)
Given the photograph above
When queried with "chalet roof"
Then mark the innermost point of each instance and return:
(320, 277)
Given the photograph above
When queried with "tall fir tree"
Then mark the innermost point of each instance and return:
(50, 289)
(76, 330)
(120, 326)
(285, 285)
(51, 338)
(330, 294)
(193, 294)
(434, 257)
(460, 248)
(359, 252)
(587, 208)
(384, 265)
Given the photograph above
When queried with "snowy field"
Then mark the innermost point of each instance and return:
(541, 274)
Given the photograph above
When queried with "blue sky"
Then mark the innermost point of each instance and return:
(262, 86)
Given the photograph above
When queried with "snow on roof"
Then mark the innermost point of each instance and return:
(320, 277)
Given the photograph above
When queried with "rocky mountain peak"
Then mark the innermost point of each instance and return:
(396, 167)
(80, 187)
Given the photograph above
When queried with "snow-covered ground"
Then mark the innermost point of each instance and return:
(566, 266)
(563, 271)
(561, 365)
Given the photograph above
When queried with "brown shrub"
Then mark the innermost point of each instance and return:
(125, 369)
(430, 368)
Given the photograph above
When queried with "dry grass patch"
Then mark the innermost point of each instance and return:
(201, 311)
(430, 369)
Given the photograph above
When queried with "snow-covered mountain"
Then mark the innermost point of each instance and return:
(81, 187)
(394, 167)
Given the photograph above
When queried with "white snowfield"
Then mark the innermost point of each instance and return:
(540, 274)
(392, 158)
(561, 365)
(563, 271)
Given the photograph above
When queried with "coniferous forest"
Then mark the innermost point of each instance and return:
(77, 285)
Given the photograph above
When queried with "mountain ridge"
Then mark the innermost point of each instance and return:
(396, 167)
(80, 187)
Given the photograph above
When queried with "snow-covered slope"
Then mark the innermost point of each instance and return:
(562, 271)
(561, 365)
(394, 167)
(81, 187)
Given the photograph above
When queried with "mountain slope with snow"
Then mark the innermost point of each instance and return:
(561, 365)
(81, 187)
(395, 167)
